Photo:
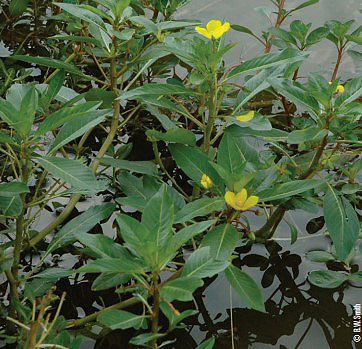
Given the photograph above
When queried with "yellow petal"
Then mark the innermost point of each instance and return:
(245, 117)
(226, 26)
(217, 33)
(230, 198)
(250, 202)
(203, 32)
(339, 89)
(241, 198)
(213, 25)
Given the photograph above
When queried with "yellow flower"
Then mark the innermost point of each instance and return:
(245, 117)
(206, 181)
(339, 88)
(214, 29)
(240, 201)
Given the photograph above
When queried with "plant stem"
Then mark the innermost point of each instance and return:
(155, 308)
(339, 59)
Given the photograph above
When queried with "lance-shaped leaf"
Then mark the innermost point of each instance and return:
(158, 217)
(14, 187)
(296, 94)
(80, 224)
(201, 264)
(66, 114)
(113, 265)
(84, 14)
(186, 233)
(194, 163)
(50, 62)
(174, 135)
(221, 240)
(70, 171)
(327, 278)
(11, 205)
(120, 319)
(157, 89)
(288, 55)
(246, 287)
(199, 207)
(180, 288)
(146, 167)
(285, 190)
(342, 223)
(313, 133)
(77, 127)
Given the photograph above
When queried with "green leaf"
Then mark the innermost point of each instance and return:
(246, 287)
(162, 118)
(221, 240)
(342, 223)
(188, 232)
(54, 274)
(283, 34)
(180, 289)
(174, 135)
(172, 317)
(288, 55)
(158, 217)
(316, 35)
(304, 4)
(194, 163)
(53, 89)
(67, 114)
(352, 91)
(28, 107)
(355, 277)
(327, 278)
(201, 265)
(86, 15)
(105, 281)
(102, 245)
(132, 232)
(146, 167)
(17, 7)
(36, 288)
(6, 138)
(199, 207)
(77, 127)
(120, 319)
(240, 28)
(296, 94)
(10, 115)
(82, 223)
(144, 338)
(14, 187)
(319, 256)
(208, 344)
(293, 233)
(313, 133)
(285, 190)
(11, 205)
(157, 89)
(50, 62)
(274, 134)
(70, 171)
(112, 265)
(230, 155)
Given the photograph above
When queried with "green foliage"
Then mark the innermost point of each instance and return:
(110, 119)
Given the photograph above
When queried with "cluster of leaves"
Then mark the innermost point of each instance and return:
(114, 69)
